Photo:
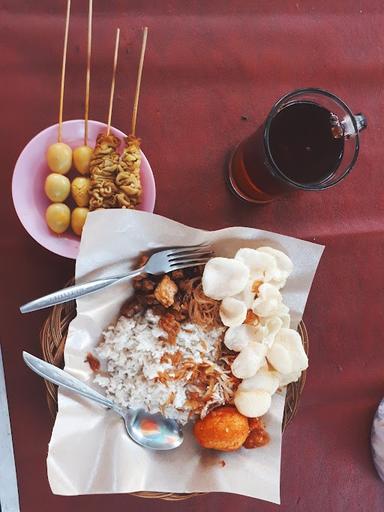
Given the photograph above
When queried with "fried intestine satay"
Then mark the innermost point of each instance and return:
(104, 166)
(128, 176)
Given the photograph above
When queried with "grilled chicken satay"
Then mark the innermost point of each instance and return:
(128, 176)
(104, 166)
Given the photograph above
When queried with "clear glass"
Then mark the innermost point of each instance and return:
(256, 176)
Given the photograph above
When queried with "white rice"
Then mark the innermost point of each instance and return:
(131, 354)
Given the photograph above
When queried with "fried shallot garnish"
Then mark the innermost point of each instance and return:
(171, 326)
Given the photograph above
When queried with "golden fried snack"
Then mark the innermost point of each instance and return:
(165, 291)
(223, 429)
(128, 176)
(104, 166)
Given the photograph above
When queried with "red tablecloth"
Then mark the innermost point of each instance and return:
(207, 64)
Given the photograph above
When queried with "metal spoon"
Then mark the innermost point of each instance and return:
(148, 430)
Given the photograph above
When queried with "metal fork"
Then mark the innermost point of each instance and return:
(159, 263)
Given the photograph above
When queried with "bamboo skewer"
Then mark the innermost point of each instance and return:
(128, 177)
(138, 83)
(88, 75)
(105, 159)
(82, 154)
(63, 70)
(113, 80)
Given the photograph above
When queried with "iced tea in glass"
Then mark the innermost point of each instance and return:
(309, 141)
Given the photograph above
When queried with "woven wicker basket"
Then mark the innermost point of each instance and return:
(53, 336)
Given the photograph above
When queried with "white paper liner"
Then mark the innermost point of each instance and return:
(89, 451)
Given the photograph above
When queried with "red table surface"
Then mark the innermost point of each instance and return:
(207, 65)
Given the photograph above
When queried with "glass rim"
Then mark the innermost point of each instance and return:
(275, 169)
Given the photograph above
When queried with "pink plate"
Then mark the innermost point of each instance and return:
(29, 176)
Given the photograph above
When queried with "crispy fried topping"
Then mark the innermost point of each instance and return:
(165, 292)
(171, 326)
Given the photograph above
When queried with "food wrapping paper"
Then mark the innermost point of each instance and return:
(89, 451)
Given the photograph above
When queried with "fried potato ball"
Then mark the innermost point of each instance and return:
(223, 429)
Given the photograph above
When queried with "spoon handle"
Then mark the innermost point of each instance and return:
(64, 379)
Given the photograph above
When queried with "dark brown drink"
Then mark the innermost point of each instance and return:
(301, 145)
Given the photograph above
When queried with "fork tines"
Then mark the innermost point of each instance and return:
(189, 256)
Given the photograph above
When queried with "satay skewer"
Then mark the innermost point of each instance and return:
(128, 178)
(59, 154)
(82, 154)
(105, 159)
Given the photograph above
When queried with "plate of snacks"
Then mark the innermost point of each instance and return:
(77, 166)
(211, 346)
(55, 184)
